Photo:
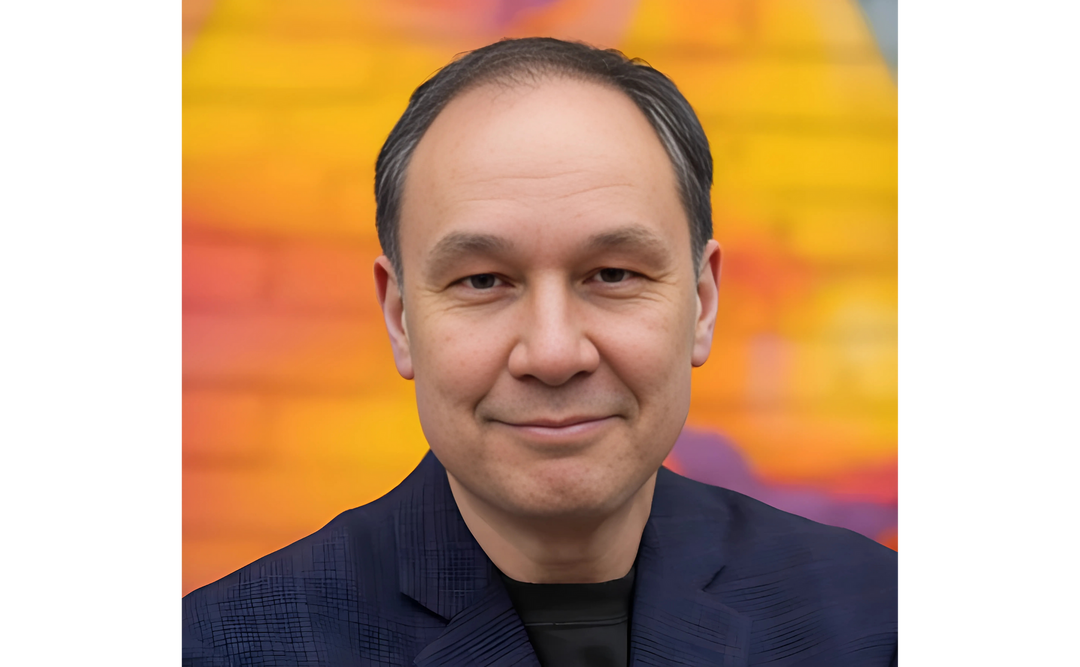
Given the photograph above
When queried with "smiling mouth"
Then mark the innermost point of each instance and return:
(554, 430)
(556, 423)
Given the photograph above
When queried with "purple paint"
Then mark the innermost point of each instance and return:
(508, 10)
(713, 459)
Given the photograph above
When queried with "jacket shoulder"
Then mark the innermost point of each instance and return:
(305, 599)
(745, 528)
(806, 588)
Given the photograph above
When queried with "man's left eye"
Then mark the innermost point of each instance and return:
(613, 275)
(482, 281)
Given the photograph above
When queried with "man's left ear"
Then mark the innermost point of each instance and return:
(708, 286)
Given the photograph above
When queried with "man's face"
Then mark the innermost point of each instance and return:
(550, 312)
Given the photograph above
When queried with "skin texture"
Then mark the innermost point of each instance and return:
(550, 316)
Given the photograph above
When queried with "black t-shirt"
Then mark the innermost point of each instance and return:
(571, 625)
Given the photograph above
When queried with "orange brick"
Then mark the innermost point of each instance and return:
(223, 426)
(223, 275)
(329, 277)
(281, 503)
(273, 352)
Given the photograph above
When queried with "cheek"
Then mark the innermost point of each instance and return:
(650, 348)
(455, 362)
(652, 358)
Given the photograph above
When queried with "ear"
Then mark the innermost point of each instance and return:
(393, 308)
(708, 286)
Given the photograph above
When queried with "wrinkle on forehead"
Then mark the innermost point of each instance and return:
(469, 198)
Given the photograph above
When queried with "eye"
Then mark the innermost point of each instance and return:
(613, 275)
(482, 281)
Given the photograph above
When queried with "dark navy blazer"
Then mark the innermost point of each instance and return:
(722, 579)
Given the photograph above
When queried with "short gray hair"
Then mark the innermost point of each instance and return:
(514, 60)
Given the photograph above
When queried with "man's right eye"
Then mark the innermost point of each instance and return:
(482, 281)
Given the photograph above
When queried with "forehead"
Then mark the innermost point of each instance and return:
(558, 156)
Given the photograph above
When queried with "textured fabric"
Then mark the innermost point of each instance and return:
(721, 579)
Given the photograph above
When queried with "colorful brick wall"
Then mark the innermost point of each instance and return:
(292, 409)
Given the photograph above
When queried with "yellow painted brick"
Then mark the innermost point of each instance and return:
(825, 24)
(228, 61)
(849, 307)
(775, 164)
(821, 26)
(859, 235)
(873, 370)
(223, 131)
(765, 92)
(347, 134)
(364, 432)
(352, 202)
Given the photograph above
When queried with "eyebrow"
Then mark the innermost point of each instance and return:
(455, 245)
(631, 238)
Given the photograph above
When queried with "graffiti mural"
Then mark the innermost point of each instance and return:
(293, 411)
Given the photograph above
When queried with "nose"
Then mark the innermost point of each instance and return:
(553, 345)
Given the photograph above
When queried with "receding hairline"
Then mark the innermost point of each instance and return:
(530, 73)
(531, 61)
(534, 82)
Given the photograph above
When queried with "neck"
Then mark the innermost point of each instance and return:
(570, 550)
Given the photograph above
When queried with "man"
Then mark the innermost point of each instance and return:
(549, 280)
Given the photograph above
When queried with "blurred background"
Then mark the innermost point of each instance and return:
(292, 409)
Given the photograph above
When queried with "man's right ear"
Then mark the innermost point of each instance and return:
(393, 308)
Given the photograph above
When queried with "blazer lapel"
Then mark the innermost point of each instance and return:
(675, 622)
(487, 632)
(441, 566)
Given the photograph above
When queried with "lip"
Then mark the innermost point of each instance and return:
(556, 430)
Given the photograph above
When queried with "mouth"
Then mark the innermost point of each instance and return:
(570, 429)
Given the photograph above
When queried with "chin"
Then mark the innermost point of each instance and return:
(561, 510)
(580, 497)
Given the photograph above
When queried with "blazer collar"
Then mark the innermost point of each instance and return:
(674, 622)
(441, 566)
